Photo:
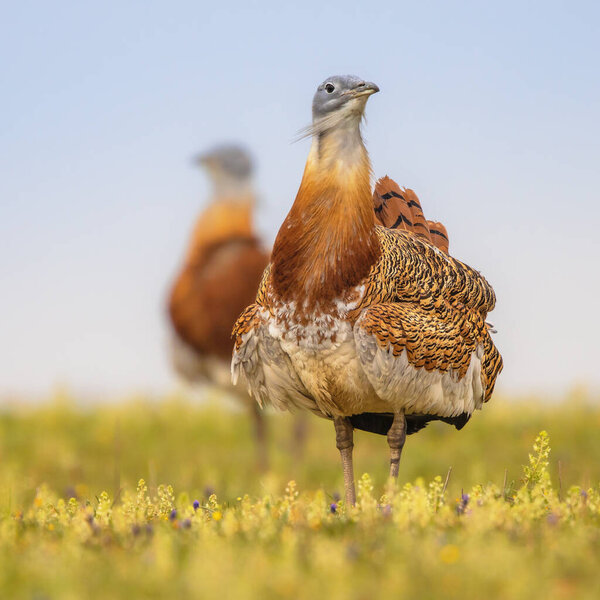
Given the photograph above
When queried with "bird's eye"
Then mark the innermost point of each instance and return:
(329, 87)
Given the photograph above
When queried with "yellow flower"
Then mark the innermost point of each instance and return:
(449, 554)
(82, 490)
(217, 515)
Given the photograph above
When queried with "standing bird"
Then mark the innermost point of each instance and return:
(362, 317)
(219, 277)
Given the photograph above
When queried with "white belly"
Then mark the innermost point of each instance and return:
(330, 368)
(317, 365)
(323, 363)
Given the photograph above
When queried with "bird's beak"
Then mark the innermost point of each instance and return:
(365, 88)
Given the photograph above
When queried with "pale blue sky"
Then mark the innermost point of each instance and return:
(490, 111)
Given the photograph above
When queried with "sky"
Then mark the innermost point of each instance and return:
(489, 111)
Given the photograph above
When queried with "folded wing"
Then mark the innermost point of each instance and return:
(422, 338)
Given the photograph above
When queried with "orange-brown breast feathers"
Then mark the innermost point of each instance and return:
(224, 219)
(327, 243)
(221, 272)
(212, 291)
(397, 208)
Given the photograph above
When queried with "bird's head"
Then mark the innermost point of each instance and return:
(338, 108)
(229, 167)
(339, 101)
(344, 95)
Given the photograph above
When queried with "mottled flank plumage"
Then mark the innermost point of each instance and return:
(362, 316)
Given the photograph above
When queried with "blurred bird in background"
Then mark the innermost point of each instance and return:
(219, 277)
(363, 317)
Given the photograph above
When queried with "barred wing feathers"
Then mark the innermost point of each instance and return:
(420, 332)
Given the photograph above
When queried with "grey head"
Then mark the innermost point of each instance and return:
(346, 94)
(227, 161)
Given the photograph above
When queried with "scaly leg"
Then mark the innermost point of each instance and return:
(344, 442)
(260, 433)
(396, 437)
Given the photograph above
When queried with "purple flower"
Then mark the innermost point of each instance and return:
(333, 508)
(196, 505)
(173, 515)
(70, 492)
(462, 503)
(92, 524)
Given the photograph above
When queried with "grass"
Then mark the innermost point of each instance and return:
(511, 519)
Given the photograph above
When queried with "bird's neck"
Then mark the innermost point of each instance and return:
(226, 217)
(327, 244)
(228, 186)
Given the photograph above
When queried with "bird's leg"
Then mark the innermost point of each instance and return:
(260, 433)
(344, 442)
(396, 437)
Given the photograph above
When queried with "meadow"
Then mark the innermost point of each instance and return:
(161, 499)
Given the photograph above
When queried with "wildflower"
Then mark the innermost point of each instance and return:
(462, 504)
(93, 526)
(173, 515)
(449, 554)
(217, 515)
(186, 523)
(81, 490)
(71, 492)
(196, 505)
(537, 472)
(333, 508)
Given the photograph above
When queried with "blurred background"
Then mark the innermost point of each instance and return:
(490, 112)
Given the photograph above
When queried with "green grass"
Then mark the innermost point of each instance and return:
(76, 523)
